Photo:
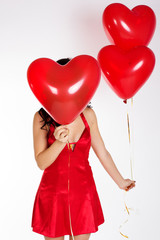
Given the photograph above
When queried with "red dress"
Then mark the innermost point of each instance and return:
(67, 202)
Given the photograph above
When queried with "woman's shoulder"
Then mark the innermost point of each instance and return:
(38, 119)
(90, 115)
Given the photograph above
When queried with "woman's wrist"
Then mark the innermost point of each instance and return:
(120, 183)
(61, 143)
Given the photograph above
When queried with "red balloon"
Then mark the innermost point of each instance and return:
(129, 28)
(64, 90)
(126, 71)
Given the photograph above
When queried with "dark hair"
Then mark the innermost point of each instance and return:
(63, 61)
(45, 116)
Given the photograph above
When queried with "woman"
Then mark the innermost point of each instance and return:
(67, 202)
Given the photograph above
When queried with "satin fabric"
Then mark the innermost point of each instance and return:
(54, 203)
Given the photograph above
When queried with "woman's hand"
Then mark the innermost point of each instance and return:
(127, 184)
(61, 133)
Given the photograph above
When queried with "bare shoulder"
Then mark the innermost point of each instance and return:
(38, 121)
(90, 116)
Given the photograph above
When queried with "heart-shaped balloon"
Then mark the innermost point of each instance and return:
(126, 71)
(64, 90)
(129, 28)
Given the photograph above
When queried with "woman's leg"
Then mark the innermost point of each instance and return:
(81, 237)
(58, 238)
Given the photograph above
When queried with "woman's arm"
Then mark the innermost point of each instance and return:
(103, 155)
(44, 156)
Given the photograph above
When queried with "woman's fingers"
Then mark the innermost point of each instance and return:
(59, 130)
(61, 133)
(64, 139)
(130, 186)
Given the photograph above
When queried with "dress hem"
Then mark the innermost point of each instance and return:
(46, 235)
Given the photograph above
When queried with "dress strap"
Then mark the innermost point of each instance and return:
(84, 119)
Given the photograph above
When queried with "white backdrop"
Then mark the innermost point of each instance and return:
(56, 29)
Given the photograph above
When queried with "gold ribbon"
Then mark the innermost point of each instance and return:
(130, 137)
(70, 149)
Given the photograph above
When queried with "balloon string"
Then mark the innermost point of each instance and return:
(130, 137)
(70, 148)
(128, 212)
